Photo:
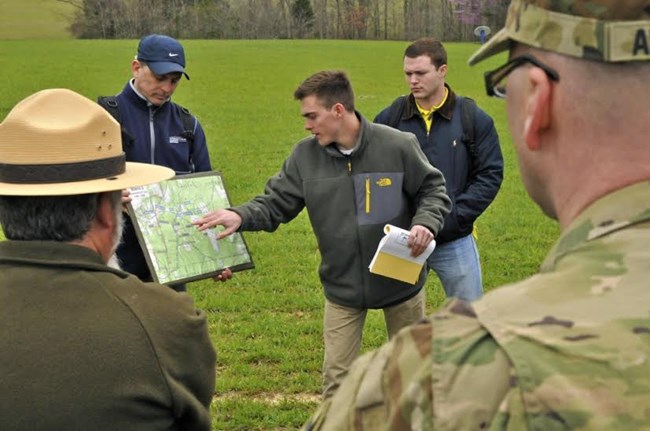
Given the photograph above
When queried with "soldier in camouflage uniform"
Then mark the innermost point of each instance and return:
(569, 348)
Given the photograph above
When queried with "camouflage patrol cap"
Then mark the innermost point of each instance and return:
(601, 30)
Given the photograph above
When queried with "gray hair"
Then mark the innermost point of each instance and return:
(50, 218)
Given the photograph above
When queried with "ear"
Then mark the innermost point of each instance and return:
(443, 70)
(136, 67)
(102, 228)
(338, 109)
(537, 108)
(104, 215)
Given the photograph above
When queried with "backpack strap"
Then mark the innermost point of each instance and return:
(109, 103)
(189, 122)
(396, 110)
(467, 117)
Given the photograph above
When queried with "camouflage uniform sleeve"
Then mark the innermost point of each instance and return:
(362, 401)
(445, 373)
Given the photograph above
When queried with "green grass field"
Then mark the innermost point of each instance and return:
(266, 323)
(34, 19)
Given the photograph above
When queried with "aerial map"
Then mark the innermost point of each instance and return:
(174, 248)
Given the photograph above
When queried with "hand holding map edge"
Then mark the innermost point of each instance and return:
(225, 275)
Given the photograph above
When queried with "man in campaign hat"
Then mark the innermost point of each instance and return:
(569, 348)
(85, 346)
(156, 130)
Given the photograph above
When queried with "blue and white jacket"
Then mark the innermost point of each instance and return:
(157, 133)
(157, 138)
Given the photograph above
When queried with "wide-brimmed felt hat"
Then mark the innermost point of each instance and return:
(163, 54)
(601, 30)
(58, 142)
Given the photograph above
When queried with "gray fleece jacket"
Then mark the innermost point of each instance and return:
(349, 199)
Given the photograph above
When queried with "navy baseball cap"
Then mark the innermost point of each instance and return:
(162, 54)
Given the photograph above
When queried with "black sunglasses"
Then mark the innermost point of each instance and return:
(494, 80)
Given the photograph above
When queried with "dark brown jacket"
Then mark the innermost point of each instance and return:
(86, 347)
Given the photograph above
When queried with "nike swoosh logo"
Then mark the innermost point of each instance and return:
(173, 55)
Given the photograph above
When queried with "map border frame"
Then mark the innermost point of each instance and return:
(147, 254)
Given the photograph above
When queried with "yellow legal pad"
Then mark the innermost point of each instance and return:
(393, 256)
(395, 267)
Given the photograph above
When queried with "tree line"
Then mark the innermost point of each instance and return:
(448, 20)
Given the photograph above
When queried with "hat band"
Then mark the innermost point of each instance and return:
(63, 172)
(589, 38)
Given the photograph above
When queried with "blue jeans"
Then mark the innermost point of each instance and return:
(458, 266)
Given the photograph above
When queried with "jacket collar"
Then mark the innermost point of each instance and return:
(364, 131)
(608, 214)
(53, 254)
(137, 99)
(446, 110)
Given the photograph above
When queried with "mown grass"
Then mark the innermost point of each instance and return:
(34, 19)
(266, 323)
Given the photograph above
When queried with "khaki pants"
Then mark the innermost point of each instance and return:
(343, 328)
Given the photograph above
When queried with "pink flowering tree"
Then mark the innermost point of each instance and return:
(474, 12)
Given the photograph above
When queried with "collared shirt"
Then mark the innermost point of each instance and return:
(427, 114)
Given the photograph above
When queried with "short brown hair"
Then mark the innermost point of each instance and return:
(428, 46)
(330, 87)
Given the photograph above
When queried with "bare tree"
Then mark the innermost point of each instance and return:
(286, 17)
(321, 19)
(338, 19)
(302, 15)
(349, 19)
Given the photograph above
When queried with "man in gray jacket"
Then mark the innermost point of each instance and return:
(354, 177)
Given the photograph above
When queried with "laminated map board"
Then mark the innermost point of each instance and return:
(175, 250)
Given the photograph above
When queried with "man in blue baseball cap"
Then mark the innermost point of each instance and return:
(156, 130)
(162, 54)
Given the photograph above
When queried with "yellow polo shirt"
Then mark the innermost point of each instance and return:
(427, 115)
